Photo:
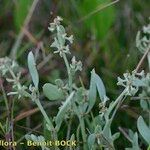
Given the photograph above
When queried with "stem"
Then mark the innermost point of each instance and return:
(12, 73)
(125, 134)
(4, 96)
(68, 71)
(82, 124)
(69, 129)
(117, 107)
(53, 132)
(14, 77)
(77, 132)
(11, 109)
(120, 97)
(142, 59)
(70, 90)
(11, 122)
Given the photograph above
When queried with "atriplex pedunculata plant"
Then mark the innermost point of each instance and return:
(91, 132)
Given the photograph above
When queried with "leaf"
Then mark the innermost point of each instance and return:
(99, 22)
(135, 145)
(106, 130)
(100, 87)
(148, 57)
(144, 104)
(91, 140)
(115, 136)
(143, 129)
(20, 12)
(95, 83)
(135, 142)
(32, 69)
(52, 92)
(92, 92)
(62, 111)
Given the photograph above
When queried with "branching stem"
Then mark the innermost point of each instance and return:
(68, 71)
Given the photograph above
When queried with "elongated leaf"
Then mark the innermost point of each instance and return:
(92, 92)
(91, 140)
(135, 142)
(143, 129)
(32, 69)
(106, 130)
(63, 109)
(52, 92)
(96, 83)
(115, 136)
(100, 87)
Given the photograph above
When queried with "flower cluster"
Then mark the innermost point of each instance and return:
(11, 70)
(6, 64)
(61, 41)
(75, 65)
(132, 82)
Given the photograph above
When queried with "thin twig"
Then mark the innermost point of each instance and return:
(41, 64)
(124, 133)
(33, 111)
(97, 10)
(39, 45)
(142, 60)
(30, 36)
(139, 98)
(29, 129)
(38, 126)
(4, 95)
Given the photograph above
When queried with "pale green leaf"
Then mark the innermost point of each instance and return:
(91, 140)
(92, 92)
(52, 92)
(144, 104)
(115, 136)
(100, 87)
(62, 111)
(143, 129)
(33, 69)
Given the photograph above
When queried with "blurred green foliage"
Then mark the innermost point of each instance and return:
(104, 40)
(20, 12)
(96, 18)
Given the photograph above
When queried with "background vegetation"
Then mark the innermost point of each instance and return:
(104, 34)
